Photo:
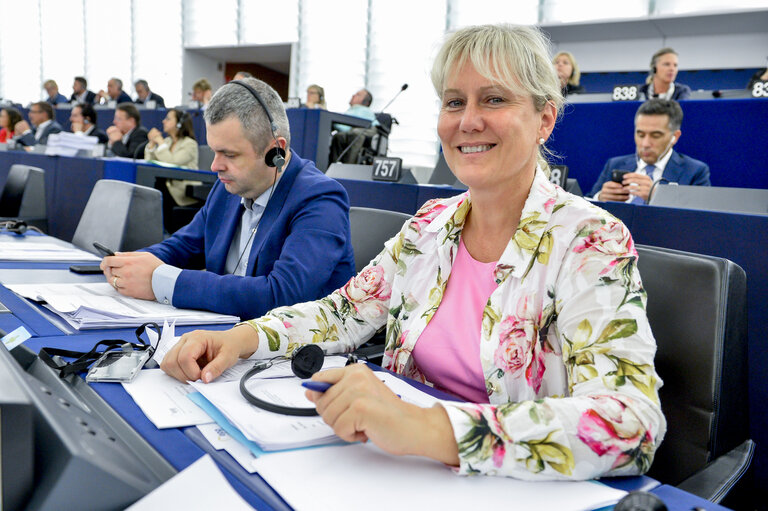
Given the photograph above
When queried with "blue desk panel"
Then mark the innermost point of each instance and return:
(727, 134)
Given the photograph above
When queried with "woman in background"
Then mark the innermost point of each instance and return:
(661, 80)
(518, 297)
(9, 117)
(316, 97)
(568, 73)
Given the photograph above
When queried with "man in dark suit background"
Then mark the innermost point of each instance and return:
(657, 130)
(43, 125)
(115, 92)
(82, 120)
(127, 136)
(80, 92)
(144, 94)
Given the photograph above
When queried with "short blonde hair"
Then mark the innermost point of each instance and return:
(575, 77)
(515, 57)
(49, 83)
(202, 84)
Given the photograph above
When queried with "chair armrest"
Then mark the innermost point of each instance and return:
(718, 477)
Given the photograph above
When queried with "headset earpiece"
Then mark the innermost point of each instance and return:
(307, 360)
(17, 226)
(275, 157)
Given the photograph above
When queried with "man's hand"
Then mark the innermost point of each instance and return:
(114, 134)
(638, 184)
(205, 354)
(130, 273)
(613, 192)
(21, 128)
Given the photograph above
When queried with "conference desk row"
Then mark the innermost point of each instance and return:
(178, 445)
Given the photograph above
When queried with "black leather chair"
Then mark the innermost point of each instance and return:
(123, 216)
(23, 196)
(376, 139)
(697, 311)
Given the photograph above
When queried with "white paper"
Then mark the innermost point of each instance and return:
(98, 305)
(362, 476)
(220, 440)
(16, 251)
(164, 401)
(199, 487)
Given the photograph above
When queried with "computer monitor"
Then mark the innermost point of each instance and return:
(63, 447)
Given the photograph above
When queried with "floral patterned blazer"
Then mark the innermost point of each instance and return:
(566, 348)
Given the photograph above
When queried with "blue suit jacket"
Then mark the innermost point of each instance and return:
(680, 169)
(30, 140)
(124, 98)
(682, 91)
(301, 251)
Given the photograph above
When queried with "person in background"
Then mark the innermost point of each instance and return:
(82, 121)
(661, 80)
(144, 94)
(43, 125)
(241, 75)
(523, 300)
(80, 92)
(568, 73)
(202, 92)
(266, 236)
(316, 97)
(115, 92)
(179, 147)
(346, 136)
(127, 137)
(9, 118)
(54, 97)
(657, 130)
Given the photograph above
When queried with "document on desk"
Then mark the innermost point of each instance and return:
(359, 475)
(97, 305)
(183, 491)
(19, 251)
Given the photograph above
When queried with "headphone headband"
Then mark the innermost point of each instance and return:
(275, 157)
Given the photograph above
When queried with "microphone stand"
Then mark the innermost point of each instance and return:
(361, 134)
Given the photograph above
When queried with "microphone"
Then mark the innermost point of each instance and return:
(405, 86)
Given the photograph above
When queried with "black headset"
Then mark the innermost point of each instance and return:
(16, 226)
(180, 121)
(275, 157)
(305, 361)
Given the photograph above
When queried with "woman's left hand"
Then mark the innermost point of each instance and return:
(359, 407)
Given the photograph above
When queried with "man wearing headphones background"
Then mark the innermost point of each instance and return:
(273, 231)
(630, 178)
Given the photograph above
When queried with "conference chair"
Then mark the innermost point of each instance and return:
(711, 198)
(23, 196)
(123, 216)
(370, 229)
(204, 157)
(697, 311)
(376, 140)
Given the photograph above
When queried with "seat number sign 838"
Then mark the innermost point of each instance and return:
(625, 93)
(386, 169)
(760, 90)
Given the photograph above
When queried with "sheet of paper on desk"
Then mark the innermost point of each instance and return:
(19, 251)
(220, 440)
(360, 475)
(163, 400)
(98, 305)
(199, 486)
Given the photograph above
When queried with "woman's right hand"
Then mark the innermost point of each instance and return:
(205, 354)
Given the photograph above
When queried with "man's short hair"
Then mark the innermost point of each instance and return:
(368, 98)
(50, 83)
(45, 107)
(142, 83)
(233, 100)
(668, 107)
(131, 111)
(202, 84)
(244, 74)
(118, 81)
(82, 81)
(87, 112)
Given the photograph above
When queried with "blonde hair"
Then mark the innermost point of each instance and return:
(515, 57)
(321, 92)
(575, 73)
(202, 84)
(49, 83)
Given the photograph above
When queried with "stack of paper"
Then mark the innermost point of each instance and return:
(16, 251)
(98, 305)
(68, 144)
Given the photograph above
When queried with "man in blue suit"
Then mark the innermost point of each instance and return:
(115, 92)
(54, 97)
(657, 130)
(41, 117)
(268, 235)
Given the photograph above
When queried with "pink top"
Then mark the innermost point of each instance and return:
(448, 350)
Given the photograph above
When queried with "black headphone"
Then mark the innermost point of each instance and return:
(180, 121)
(275, 157)
(305, 361)
(16, 226)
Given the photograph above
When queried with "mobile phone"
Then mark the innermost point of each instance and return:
(85, 269)
(617, 176)
(103, 249)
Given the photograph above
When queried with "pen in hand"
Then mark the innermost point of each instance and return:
(317, 386)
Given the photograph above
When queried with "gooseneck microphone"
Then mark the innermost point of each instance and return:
(405, 86)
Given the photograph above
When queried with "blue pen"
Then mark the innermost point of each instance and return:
(317, 386)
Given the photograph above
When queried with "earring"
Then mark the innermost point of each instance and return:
(541, 141)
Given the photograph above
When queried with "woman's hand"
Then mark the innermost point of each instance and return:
(205, 354)
(155, 137)
(359, 407)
